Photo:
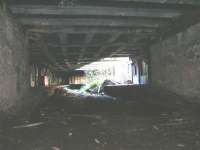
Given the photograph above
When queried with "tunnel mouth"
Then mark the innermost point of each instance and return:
(95, 80)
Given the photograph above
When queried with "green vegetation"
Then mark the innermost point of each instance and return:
(92, 75)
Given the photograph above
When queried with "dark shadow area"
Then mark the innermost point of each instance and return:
(87, 123)
(80, 74)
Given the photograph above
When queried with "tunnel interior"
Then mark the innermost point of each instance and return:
(104, 75)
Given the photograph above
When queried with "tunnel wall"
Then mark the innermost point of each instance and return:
(175, 63)
(14, 73)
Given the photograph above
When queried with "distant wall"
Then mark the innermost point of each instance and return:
(14, 73)
(175, 63)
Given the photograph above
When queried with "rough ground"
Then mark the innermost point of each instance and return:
(89, 124)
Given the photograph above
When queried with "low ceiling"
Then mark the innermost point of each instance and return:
(66, 34)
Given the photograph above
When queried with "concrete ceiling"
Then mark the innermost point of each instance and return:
(69, 33)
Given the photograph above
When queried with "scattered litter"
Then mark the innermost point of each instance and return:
(104, 144)
(103, 133)
(155, 127)
(64, 122)
(70, 134)
(19, 141)
(104, 122)
(97, 117)
(163, 114)
(42, 114)
(29, 125)
(26, 121)
(135, 130)
(94, 123)
(97, 141)
(179, 119)
(180, 145)
(69, 118)
(55, 148)
(176, 122)
(172, 124)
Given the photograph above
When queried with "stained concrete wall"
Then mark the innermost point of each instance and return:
(14, 73)
(175, 63)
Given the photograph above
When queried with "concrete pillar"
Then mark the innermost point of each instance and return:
(136, 70)
(40, 77)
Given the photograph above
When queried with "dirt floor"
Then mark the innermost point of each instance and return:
(96, 124)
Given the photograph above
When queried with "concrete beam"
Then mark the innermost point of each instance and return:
(112, 39)
(52, 60)
(56, 2)
(143, 23)
(120, 49)
(93, 45)
(44, 50)
(91, 30)
(179, 2)
(63, 37)
(94, 11)
(88, 40)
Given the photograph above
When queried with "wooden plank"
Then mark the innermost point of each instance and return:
(94, 11)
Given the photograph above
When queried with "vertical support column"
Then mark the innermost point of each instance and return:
(132, 69)
(135, 70)
(149, 67)
(139, 70)
(132, 75)
(40, 77)
(143, 66)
